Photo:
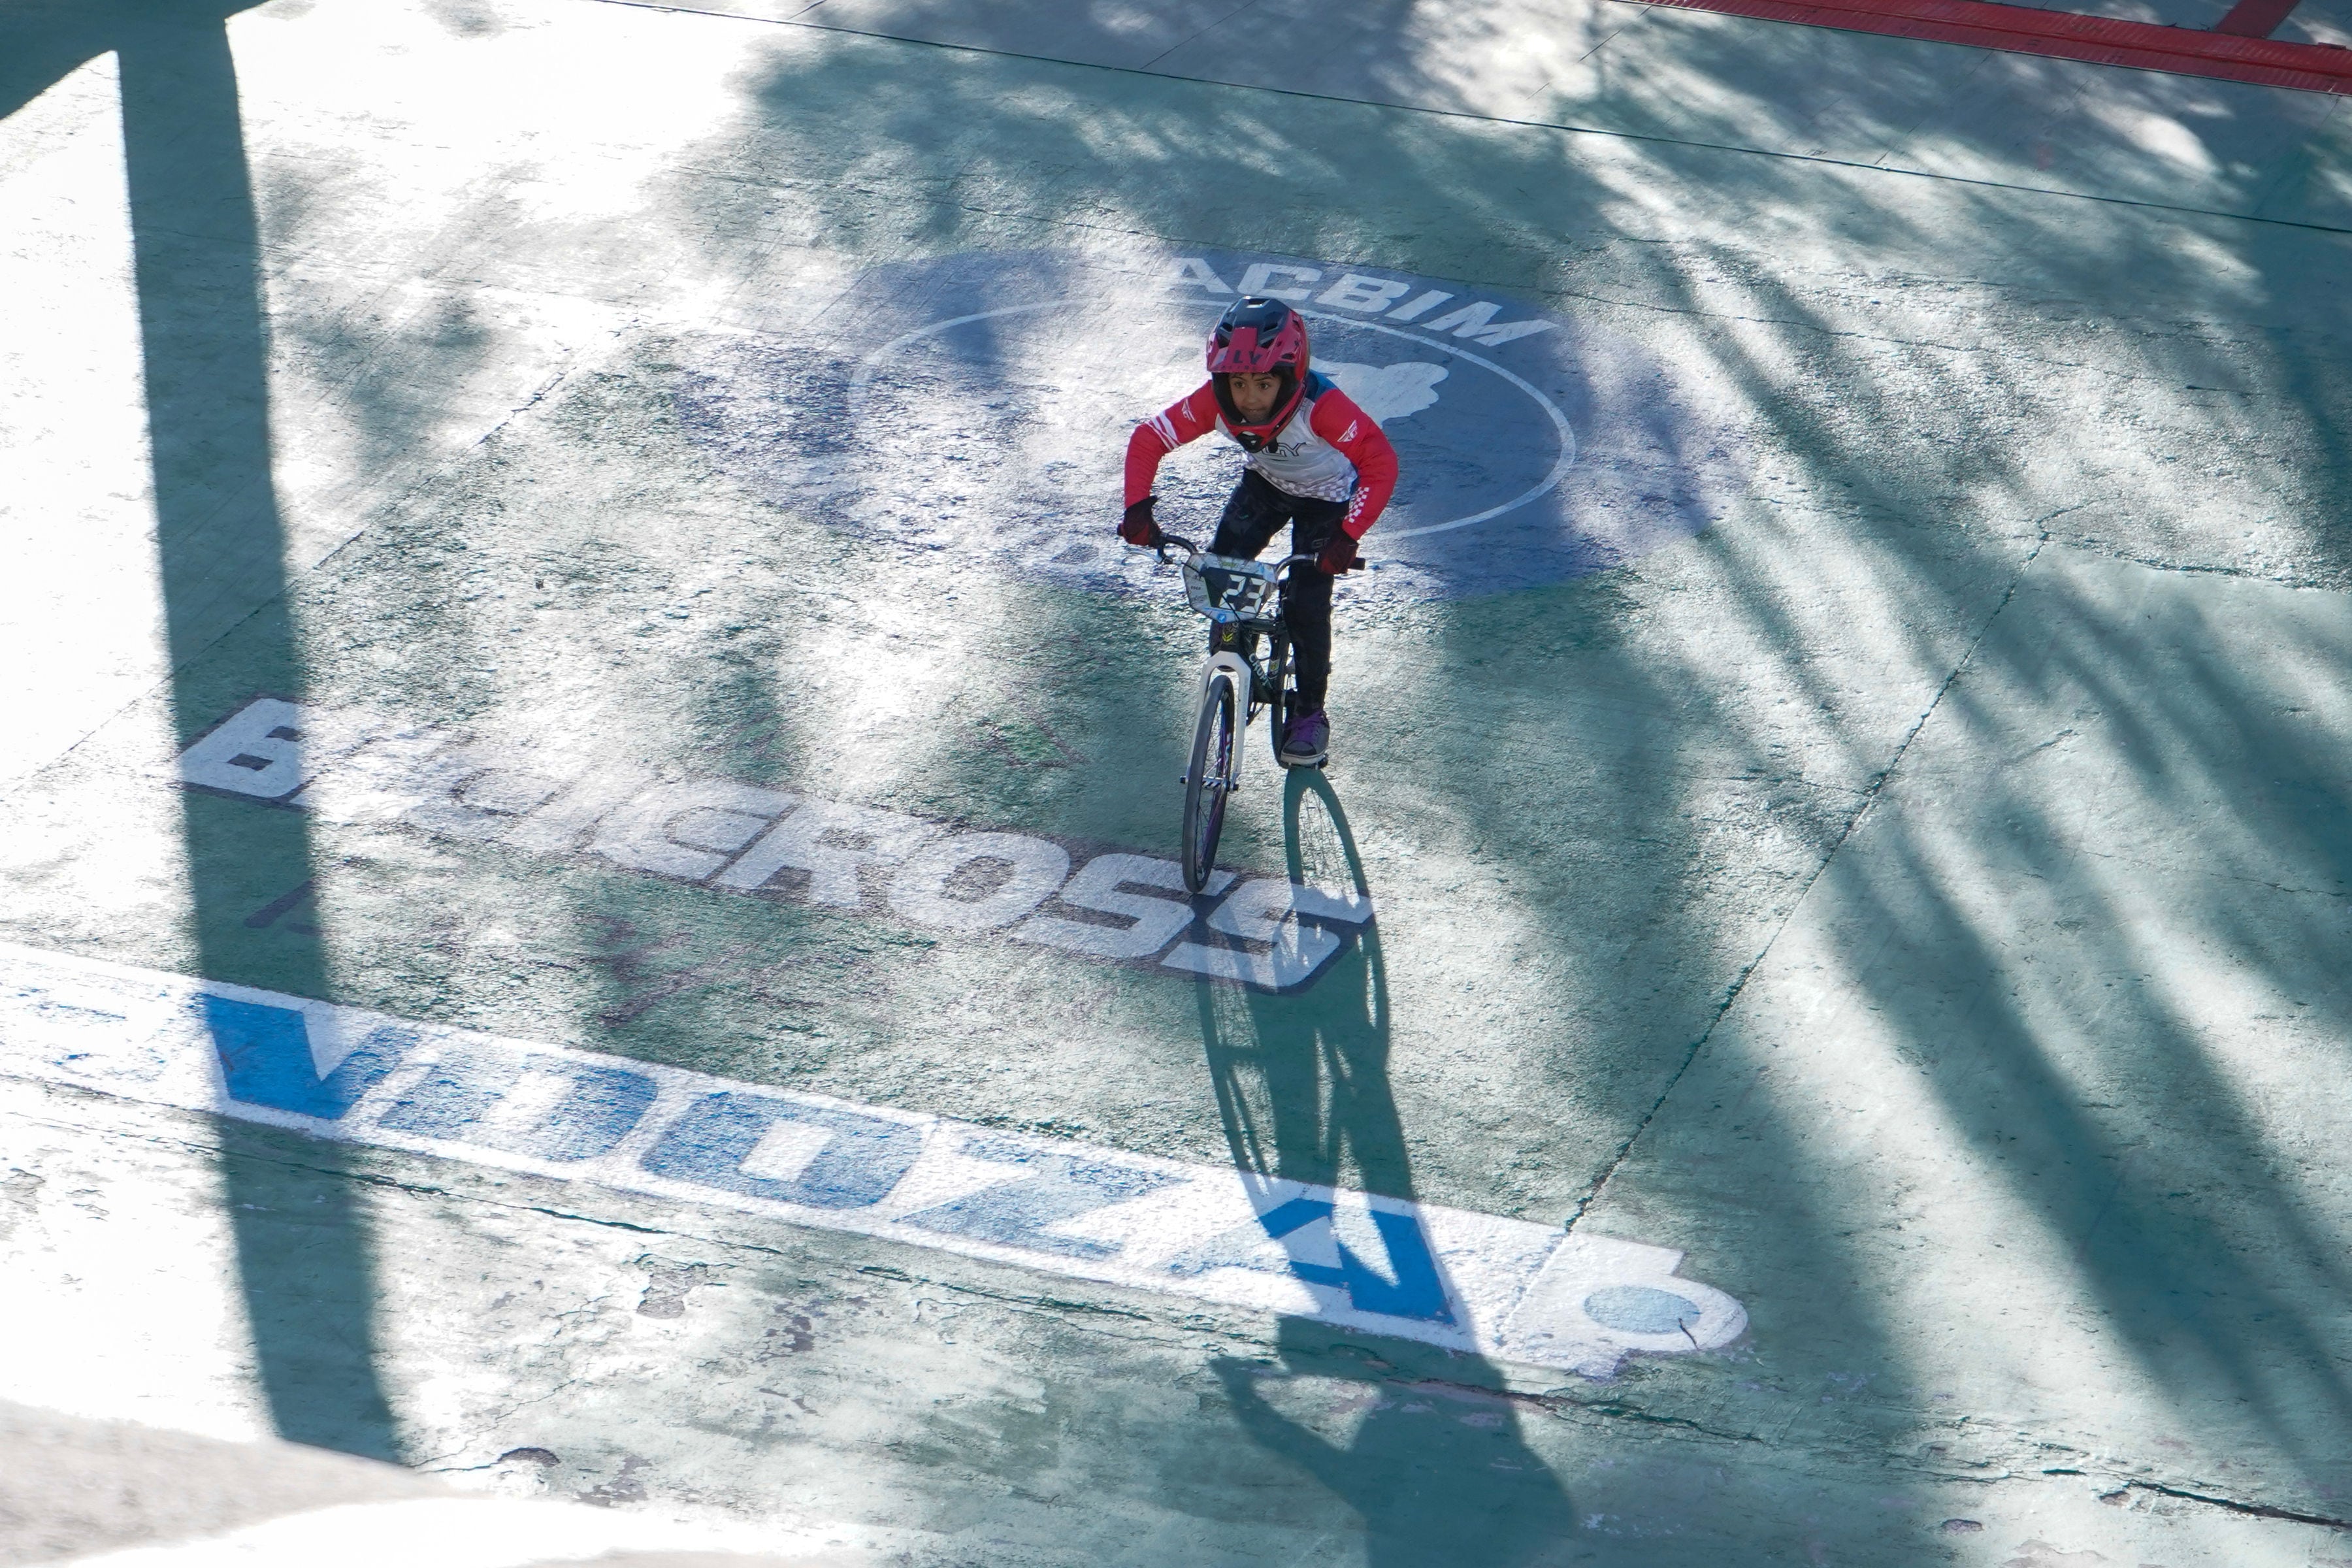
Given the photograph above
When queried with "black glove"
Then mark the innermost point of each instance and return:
(1138, 527)
(1339, 555)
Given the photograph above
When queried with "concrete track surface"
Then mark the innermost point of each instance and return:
(589, 966)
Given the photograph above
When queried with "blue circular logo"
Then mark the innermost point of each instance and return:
(980, 403)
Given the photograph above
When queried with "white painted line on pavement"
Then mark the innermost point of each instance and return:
(1466, 1281)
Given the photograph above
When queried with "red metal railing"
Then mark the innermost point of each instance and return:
(2065, 35)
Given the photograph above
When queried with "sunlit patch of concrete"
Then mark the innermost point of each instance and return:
(76, 516)
(98, 1242)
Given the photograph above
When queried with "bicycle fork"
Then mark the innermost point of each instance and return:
(1238, 669)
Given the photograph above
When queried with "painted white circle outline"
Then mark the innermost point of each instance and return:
(864, 378)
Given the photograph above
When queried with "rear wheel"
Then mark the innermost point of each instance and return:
(1208, 779)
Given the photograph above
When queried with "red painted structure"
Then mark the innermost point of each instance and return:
(2255, 19)
(2231, 54)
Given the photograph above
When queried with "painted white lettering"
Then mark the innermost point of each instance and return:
(1266, 910)
(1471, 322)
(674, 829)
(1354, 291)
(474, 792)
(1191, 273)
(1151, 923)
(831, 842)
(350, 765)
(385, 779)
(555, 828)
(265, 749)
(1259, 280)
(1255, 912)
(1297, 952)
(920, 891)
(1419, 305)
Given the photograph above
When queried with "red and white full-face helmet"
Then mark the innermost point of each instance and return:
(1259, 337)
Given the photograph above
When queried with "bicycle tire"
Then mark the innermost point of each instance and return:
(1207, 781)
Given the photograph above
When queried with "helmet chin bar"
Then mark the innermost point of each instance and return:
(1256, 436)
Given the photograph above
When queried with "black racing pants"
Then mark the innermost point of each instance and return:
(1254, 514)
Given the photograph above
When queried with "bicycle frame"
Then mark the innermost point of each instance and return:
(1243, 600)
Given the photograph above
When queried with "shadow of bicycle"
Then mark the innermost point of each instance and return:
(1437, 1467)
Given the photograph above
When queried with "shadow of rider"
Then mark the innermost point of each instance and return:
(1437, 1467)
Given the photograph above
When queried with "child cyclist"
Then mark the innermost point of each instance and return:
(1315, 461)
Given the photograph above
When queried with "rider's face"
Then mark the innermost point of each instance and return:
(1253, 395)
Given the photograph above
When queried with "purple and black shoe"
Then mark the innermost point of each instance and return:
(1306, 740)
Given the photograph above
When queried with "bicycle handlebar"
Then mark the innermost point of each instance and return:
(1168, 540)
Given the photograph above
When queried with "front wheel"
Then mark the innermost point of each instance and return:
(1209, 779)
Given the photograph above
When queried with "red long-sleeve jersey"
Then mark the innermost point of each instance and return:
(1331, 450)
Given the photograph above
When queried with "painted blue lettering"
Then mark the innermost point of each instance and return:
(1412, 1289)
(1415, 1291)
(859, 1161)
(1052, 1188)
(266, 1060)
(524, 1104)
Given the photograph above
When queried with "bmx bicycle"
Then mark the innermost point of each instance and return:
(1243, 600)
